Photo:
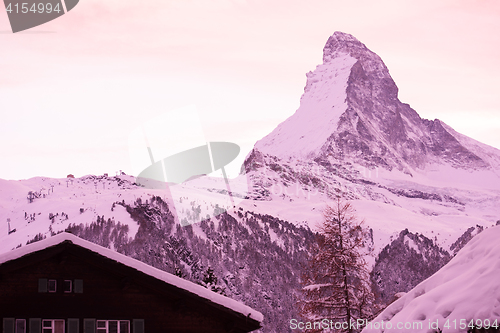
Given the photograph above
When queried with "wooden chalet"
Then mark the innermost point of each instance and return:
(65, 284)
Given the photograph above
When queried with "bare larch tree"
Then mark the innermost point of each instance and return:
(336, 282)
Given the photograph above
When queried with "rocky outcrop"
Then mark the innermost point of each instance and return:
(404, 263)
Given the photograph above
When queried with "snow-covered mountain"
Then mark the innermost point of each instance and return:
(464, 294)
(405, 262)
(352, 136)
(350, 112)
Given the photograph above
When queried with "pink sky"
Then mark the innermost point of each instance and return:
(72, 90)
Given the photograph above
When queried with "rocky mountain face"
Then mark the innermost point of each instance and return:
(377, 129)
(353, 114)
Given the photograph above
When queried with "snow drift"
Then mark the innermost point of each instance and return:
(465, 289)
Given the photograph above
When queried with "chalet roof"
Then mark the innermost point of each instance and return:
(138, 265)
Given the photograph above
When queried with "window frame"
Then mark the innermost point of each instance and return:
(70, 286)
(49, 286)
(16, 326)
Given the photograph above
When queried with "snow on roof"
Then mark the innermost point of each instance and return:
(138, 265)
(466, 288)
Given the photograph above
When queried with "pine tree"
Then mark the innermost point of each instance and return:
(336, 283)
(209, 281)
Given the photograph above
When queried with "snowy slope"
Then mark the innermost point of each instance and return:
(321, 106)
(81, 199)
(466, 288)
(487, 153)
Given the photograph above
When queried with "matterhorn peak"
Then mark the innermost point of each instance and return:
(350, 112)
(341, 42)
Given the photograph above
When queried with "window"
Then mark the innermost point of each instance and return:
(138, 325)
(35, 325)
(113, 326)
(53, 326)
(42, 285)
(73, 325)
(52, 286)
(78, 286)
(89, 325)
(20, 325)
(67, 286)
(8, 325)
